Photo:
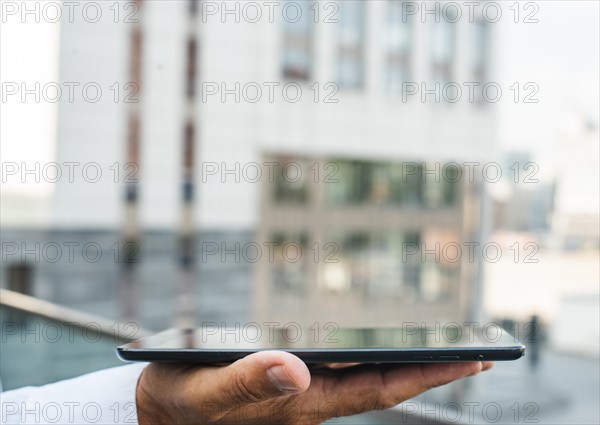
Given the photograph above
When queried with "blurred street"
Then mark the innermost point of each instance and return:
(563, 390)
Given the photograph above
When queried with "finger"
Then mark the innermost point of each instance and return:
(363, 389)
(256, 378)
(487, 366)
(401, 385)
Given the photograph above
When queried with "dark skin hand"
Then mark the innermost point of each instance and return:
(275, 387)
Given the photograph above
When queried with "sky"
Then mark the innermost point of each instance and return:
(561, 55)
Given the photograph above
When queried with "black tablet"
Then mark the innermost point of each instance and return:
(214, 343)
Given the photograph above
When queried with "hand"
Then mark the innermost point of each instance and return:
(275, 387)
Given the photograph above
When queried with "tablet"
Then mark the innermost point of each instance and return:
(329, 344)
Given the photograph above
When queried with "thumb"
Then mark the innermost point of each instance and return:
(259, 377)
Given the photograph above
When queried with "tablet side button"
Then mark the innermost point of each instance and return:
(423, 357)
(449, 357)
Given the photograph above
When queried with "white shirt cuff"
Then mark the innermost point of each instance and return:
(103, 397)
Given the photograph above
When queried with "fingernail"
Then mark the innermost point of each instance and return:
(280, 378)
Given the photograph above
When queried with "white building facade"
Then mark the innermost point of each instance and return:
(367, 121)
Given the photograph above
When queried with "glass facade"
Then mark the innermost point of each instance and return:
(443, 41)
(404, 184)
(479, 57)
(383, 265)
(398, 47)
(479, 51)
(291, 179)
(297, 41)
(406, 265)
(351, 67)
(399, 184)
(288, 265)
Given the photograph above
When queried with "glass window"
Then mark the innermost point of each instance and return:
(406, 183)
(380, 187)
(441, 271)
(355, 183)
(290, 182)
(370, 264)
(479, 57)
(412, 266)
(288, 273)
(376, 265)
(398, 45)
(442, 48)
(479, 50)
(385, 266)
(451, 184)
(433, 196)
(350, 272)
(440, 185)
(340, 193)
(351, 44)
(403, 184)
(297, 42)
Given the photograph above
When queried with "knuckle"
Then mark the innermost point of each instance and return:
(241, 391)
(386, 402)
(371, 400)
(293, 413)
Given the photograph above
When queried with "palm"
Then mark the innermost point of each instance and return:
(358, 389)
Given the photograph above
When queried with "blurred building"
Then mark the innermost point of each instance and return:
(379, 246)
(356, 228)
(575, 220)
(352, 114)
(523, 202)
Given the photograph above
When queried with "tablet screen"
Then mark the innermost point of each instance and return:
(265, 337)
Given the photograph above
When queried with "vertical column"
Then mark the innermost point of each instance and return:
(315, 295)
(129, 252)
(375, 27)
(186, 296)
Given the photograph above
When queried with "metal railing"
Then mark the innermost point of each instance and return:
(66, 315)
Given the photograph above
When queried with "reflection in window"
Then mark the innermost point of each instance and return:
(432, 192)
(290, 185)
(288, 271)
(351, 44)
(399, 38)
(369, 265)
(479, 56)
(406, 184)
(412, 266)
(440, 185)
(441, 265)
(297, 42)
(451, 176)
(360, 183)
(383, 265)
(380, 186)
(442, 47)
(403, 184)
(354, 183)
